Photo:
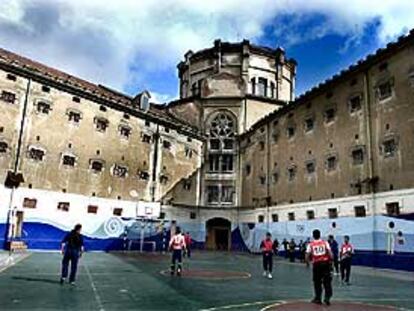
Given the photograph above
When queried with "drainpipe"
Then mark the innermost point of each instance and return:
(10, 215)
(370, 155)
(156, 137)
(268, 200)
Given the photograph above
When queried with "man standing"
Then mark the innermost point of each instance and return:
(187, 239)
(320, 253)
(177, 245)
(335, 252)
(72, 249)
(347, 250)
(292, 250)
(267, 251)
(285, 244)
(276, 247)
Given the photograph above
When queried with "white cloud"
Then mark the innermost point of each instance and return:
(124, 41)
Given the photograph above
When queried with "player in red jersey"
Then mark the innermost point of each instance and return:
(188, 241)
(267, 251)
(319, 252)
(177, 245)
(345, 256)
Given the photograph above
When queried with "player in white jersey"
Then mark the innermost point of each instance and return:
(177, 246)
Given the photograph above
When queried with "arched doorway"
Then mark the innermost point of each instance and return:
(218, 234)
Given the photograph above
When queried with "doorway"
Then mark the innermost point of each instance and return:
(218, 234)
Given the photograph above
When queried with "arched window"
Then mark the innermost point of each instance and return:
(222, 132)
(262, 87)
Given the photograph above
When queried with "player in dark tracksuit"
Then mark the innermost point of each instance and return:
(72, 249)
(335, 252)
(267, 251)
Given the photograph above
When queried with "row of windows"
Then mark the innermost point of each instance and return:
(388, 149)
(262, 87)
(217, 194)
(65, 206)
(392, 209)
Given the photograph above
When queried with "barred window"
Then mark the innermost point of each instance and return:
(36, 154)
(68, 160)
(43, 107)
(120, 171)
(8, 97)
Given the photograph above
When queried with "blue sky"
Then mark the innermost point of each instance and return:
(131, 45)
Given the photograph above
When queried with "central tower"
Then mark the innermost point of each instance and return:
(224, 90)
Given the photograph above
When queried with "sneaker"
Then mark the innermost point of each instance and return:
(62, 280)
(316, 301)
(179, 272)
(348, 283)
(72, 283)
(264, 273)
(327, 302)
(269, 276)
(172, 272)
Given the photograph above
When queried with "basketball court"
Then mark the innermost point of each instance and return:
(211, 281)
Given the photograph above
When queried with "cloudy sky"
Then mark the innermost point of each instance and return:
(134, 45)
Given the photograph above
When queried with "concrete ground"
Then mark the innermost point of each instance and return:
(213, 281)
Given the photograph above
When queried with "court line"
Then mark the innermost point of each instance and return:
(242, 305)
(95, 291)
(246, 275)
(14, 262)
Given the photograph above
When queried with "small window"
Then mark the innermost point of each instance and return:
(291, 131)
(262, 145)
(248, 169)
(213, 194)
(389, 147)
(384, 90)
(8, 97)
(358, 156)
(36, 154)
(43, 107)
(166, 144)
(331, 163)
(63, 206)
(188, 152)
(146, 138)
(117, 211)
(355, 103)
(76, 99)
(45, 89)
(393, 208)
(166, 130)
(275, 218)
(292, 173)
(147, 123)
(309, 124)
(97, 166)
(3, 147)
(189, 139)
(101, 124)
(310, 167)
(11, 77)
(162, 215)
(275, 177)
(29, 203)
(68, 160)
(102, 108)
(187, 184)
(260, 218)
(120, 171)
(126, 116)
(124, 131)
(310, 214)
(164, 179)
(193, 215)
(262, 87)
(360, 211)
(74, 116)
(262, 180)
(332, 213)
(92, 209)
(142, 174)
(291, 216)
(330, 115)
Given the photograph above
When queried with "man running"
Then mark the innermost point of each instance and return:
(72, 249)
(320, 253)
(177, 245)
(347, 250)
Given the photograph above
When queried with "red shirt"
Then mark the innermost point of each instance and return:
(346, 250)
(320, 251)
(267, 245)
(187, 239)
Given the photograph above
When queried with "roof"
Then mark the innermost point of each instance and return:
(362, 64)
(24, 66)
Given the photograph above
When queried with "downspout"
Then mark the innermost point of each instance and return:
(268, 200)
(368, 127)
(9, 228)
(155, 162)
